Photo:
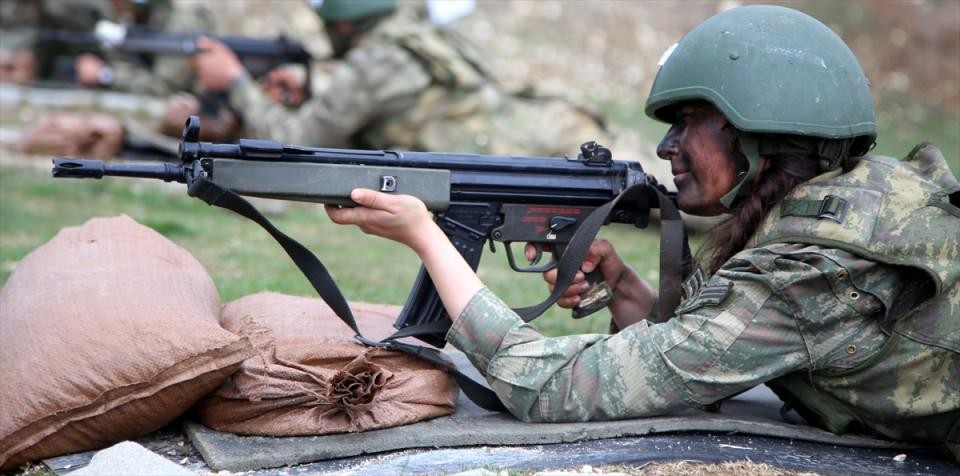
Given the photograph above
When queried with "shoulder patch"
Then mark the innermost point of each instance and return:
(697, 293)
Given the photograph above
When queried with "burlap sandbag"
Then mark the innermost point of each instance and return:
(107, 332)
(85, 134)
(313, 378)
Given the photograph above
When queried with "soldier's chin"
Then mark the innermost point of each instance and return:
(694, 205)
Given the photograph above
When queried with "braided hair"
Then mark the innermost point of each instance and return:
(783, 173)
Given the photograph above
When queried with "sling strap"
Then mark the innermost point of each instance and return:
(674, 251)
(673, 260)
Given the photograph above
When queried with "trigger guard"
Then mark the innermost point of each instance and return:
(532, 268)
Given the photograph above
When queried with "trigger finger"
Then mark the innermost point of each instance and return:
(531, 252)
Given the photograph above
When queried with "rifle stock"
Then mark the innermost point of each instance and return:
(476, 199)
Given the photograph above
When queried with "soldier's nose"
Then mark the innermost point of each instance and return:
(667, 149)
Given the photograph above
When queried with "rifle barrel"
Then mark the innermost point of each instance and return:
(67, 167)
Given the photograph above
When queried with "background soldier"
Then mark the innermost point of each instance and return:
(159, 75)
(402, 82)
(18, 20)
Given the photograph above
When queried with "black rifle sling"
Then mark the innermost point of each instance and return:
(674, 252)
(309, 264)
(318, 276)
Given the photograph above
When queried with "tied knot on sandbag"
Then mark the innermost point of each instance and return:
(311, 377)
(353, 390)
(357, 387)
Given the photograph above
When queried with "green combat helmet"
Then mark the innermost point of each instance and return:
(365, 15)
(351, 10)
(781, 77)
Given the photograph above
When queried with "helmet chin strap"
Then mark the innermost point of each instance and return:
(830, 153)
(747, 169)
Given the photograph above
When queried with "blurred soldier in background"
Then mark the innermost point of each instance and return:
(159, 75)
(55, 40)
(405, 83)
(18, 20)
(27, 29)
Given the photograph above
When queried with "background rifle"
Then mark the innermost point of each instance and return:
(475, 199)
(258, 55)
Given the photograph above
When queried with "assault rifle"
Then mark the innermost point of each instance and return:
(555, 203)
(258, 55)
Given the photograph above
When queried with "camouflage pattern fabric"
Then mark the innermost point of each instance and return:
(21, 21)
(167, 74)
(410, 85)
(804, 311)
(17, 37)
(898, 213)
(16, 20)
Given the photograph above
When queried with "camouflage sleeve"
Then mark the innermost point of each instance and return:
(169, 73)
(177, 72)
(18, 26)
(374, 81)
(137, 79)
(779, 314)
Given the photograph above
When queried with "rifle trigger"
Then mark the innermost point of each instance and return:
(493, 249)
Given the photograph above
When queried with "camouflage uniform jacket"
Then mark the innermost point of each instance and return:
(167, 74)
(787, 307)
(411, 85)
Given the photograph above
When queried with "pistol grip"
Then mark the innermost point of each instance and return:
(597, 297)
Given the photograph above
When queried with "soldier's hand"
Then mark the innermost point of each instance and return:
(633, 298)
(285, 87)
(176, 111)
(401, 218)
(88, 68)
(217, 65)
(601, 255)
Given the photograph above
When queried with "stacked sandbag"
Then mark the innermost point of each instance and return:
(311, 377)
(107, 332)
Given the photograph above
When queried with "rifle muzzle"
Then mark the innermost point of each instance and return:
(66, 167)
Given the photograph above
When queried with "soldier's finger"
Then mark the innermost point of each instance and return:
(341, 215)
(367, 198)
(568, 302)
(530, 251)
(205, 43)
(550, 277)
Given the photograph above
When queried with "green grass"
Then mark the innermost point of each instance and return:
(243, 259)
(903, 123)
